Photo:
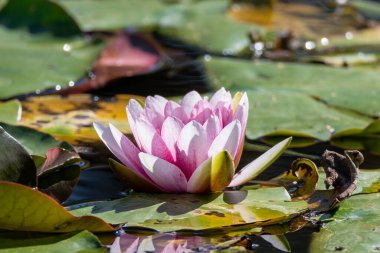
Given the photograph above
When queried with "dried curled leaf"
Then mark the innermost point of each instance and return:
(342, 172)
(301, 180)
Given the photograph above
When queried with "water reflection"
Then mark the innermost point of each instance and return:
(168, 243)
(259, 239)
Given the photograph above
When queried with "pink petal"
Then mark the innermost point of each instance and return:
(189, 101)
(129, 149)
(220, 96)
(213, 128)
(134, 112)
(242, 111)
(166, 175)
(125, 243)
(169, 248)
(201, 111)
(151, 141)
(171, 129)
(173, 109)
(114, 146)
(115, 247)
(132, 248)
(242, 115)
(155, 110)
(191, 148)
(224, 112)
(228, 139)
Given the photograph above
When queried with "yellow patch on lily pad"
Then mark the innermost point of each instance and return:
(70, 118)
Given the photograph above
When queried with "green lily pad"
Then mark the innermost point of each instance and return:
(355, 40)
(35, 142)
(39, 16)
(16, 165)
(39, 50)
(345, 60)
(200, 212)
(369, 181)
(367, 8)
(202, 24)
(314, 121)
(77, 242)
(337, 87)
(10, 112)
(355, 227)
(53, 68)
(93, 15)
(302, 100)
(25, 209)
(367, 138)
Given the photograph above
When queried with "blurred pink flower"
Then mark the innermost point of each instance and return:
(192, 146)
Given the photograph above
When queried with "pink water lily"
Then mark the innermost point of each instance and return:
(192, 146)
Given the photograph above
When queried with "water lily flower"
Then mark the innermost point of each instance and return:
(192, 146)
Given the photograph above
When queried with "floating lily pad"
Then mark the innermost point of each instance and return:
(205, 25)
(16, 165)
(345, 60)
(72, 119)
(190, 212)
(364, 39)
(35, 142)
(314, 121)
(76, 242)
(39, 16)
(367, 8)
(93, 15)
(182, 21)
(10, 112)
(337, 87)
(367, 138)
(25, 209)
(39, 50)
(355, 227)
(300, 100)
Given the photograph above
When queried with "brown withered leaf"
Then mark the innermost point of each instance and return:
(342, 172)
(301, 180)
